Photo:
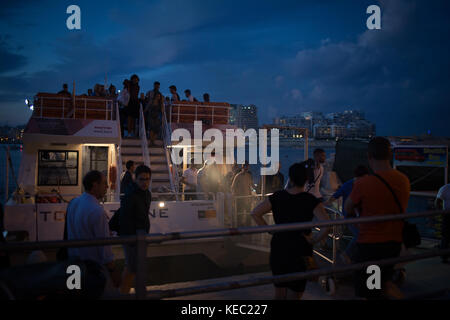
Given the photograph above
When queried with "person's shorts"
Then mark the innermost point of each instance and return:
(132, 109)
(130, 254)
(281, 263)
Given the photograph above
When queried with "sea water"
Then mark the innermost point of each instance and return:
(16, 155)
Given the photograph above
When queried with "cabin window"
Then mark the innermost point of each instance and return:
(99, 159)
(58, 168)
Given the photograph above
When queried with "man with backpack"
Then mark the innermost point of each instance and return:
(133, 216)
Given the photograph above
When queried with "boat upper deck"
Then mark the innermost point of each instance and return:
(51, 105)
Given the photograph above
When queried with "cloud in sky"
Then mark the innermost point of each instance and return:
(395, 74)
(284, 57)
(9, 60)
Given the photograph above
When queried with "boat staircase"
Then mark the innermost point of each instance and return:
(155, 155)
(132, 149)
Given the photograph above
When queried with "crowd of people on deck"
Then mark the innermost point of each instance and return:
(153, 103)
(130, 98)
(98, 91)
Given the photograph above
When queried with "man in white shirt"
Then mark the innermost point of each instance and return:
(189, 96)
(86, 219)
(175, 96)
(314, 187)
(189, 179)
(443, 202)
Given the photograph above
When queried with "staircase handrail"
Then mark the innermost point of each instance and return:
(143, 138)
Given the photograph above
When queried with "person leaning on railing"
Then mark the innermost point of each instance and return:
(189, 96)
(65, 91)
(175, 96)
(291, 251)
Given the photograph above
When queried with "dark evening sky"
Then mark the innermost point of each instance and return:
(284, 56)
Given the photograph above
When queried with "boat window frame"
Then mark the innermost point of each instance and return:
(57, 185)
(91, 161)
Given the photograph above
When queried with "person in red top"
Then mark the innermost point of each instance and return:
(372, 197)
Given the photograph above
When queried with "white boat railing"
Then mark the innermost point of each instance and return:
(68, 108)
(113, 196)
(198, 114)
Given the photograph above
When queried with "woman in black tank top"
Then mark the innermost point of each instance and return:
(290, 249)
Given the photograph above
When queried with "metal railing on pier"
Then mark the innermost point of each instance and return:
(142, 240)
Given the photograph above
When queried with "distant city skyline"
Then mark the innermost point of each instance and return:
(244, 116)
(284, 57)
(347, 124)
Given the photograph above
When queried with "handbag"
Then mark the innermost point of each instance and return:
(410, 233)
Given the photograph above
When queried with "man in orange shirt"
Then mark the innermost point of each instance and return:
(371, 196)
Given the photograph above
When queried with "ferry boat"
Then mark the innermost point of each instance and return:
(67, 136)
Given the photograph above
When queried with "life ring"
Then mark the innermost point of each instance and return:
(112, 177)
